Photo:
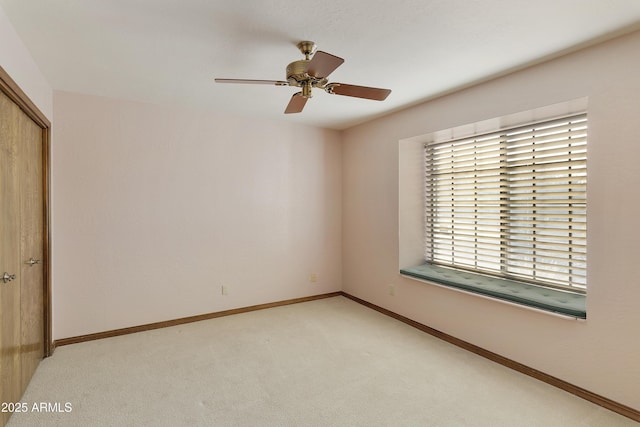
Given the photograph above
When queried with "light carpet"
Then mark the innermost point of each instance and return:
(329, 362)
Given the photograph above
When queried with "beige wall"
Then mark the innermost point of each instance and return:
(600, 354)
(18, 63)
(154, 209)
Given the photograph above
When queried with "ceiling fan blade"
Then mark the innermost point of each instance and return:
(296, 104)
(322, 64)
(374, 93)
(253, 82)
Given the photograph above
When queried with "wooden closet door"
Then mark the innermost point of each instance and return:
(22, 225)
(10, 374)
(30, 170)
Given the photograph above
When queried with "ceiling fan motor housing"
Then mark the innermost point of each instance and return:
(297, 75)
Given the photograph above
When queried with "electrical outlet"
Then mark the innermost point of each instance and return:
(392, 290)
(224, 290)
(313, 278)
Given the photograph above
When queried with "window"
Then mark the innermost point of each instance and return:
(511, 203)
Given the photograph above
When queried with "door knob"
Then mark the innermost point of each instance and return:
(6, 277)
(32, 262)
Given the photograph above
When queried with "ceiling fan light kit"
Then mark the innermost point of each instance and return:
(312, 72)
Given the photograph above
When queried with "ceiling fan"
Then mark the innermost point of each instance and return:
(312, 72)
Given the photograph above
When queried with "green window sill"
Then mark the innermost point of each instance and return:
(554, 300)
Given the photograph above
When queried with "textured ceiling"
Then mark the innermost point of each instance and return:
(169, 51)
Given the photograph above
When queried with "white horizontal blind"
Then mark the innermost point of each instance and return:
(511, 203)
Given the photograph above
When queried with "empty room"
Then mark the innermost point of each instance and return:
(348, 213)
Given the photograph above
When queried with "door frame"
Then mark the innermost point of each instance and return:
(11, 89)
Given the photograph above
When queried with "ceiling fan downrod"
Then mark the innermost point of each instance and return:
(307, 48)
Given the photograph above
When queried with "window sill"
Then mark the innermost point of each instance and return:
(553, 300)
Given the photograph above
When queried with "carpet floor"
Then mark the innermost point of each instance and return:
(329, 362)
